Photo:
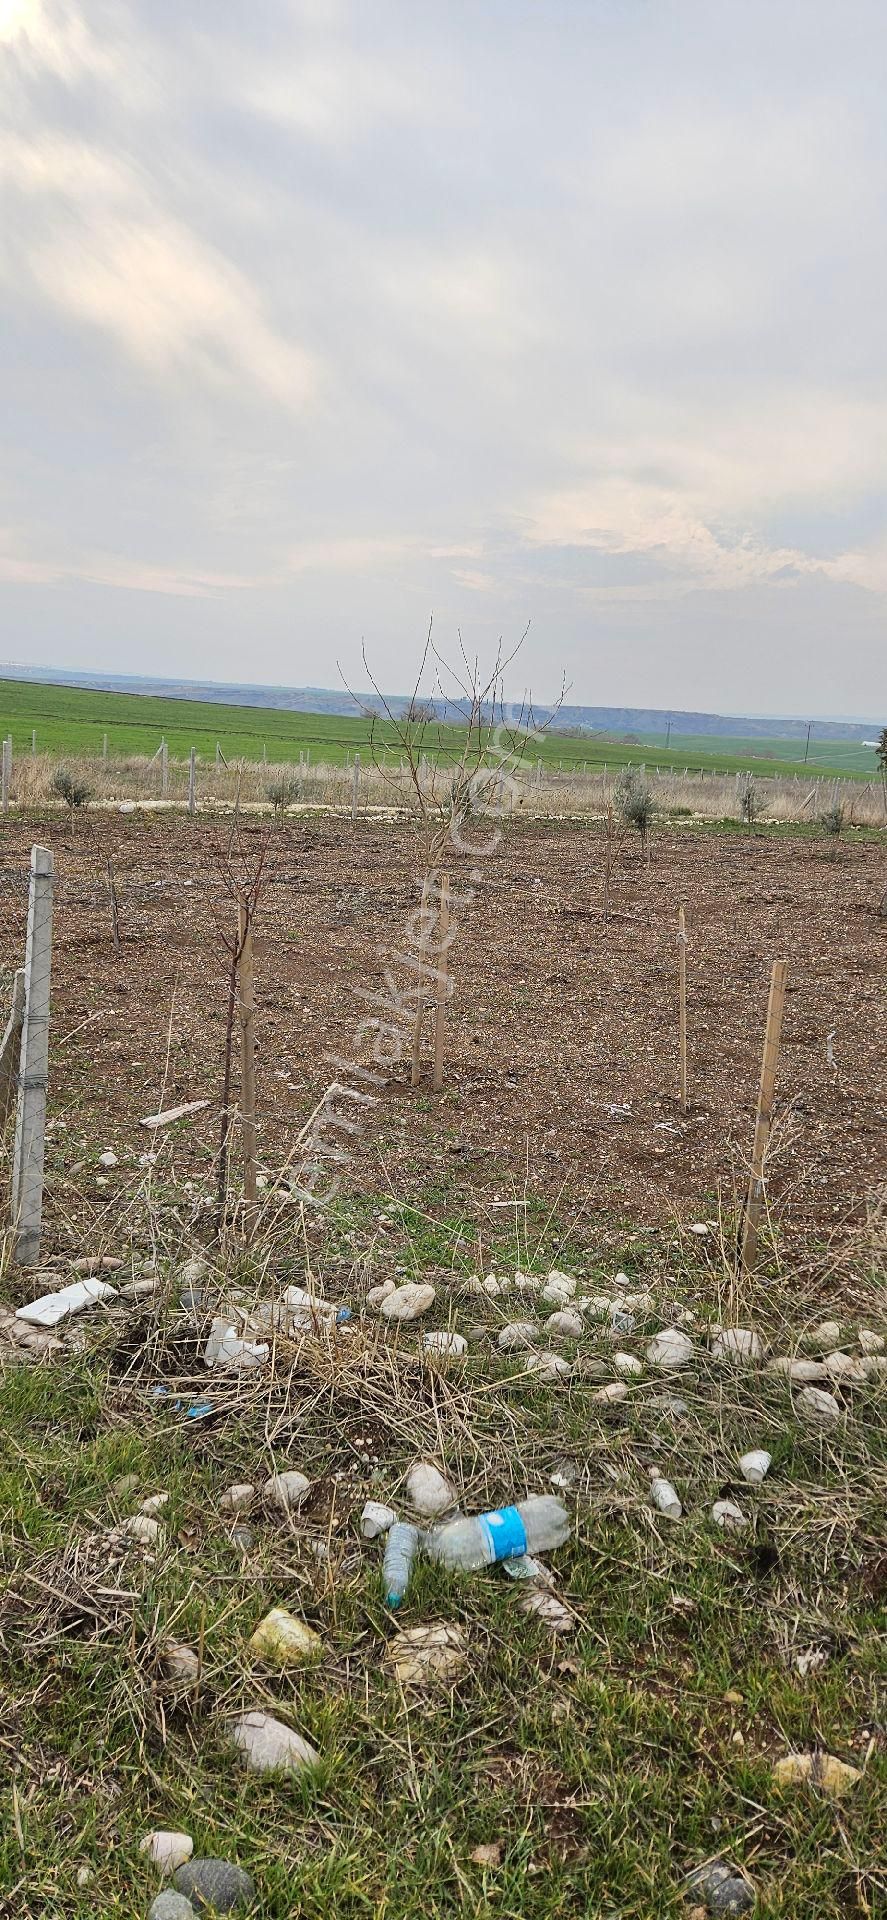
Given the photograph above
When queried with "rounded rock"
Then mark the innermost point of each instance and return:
(171, 1906)
(565, 1325)
(239, 1498)
(408, 1303)
(287, 1490)
(518, 1334)
(215, 1886)
(818, 1408)
(670, 1350)
(167, 1850)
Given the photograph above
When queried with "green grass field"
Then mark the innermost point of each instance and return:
(72, 721)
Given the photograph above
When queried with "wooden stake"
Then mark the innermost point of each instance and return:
(5, 774)
(769, 1062)
(355, 788)
(192, 782)
(682, 1004)
(30, 1124)
(115, 917)
(247, 1065)
(164, 768)
(441, 983)
(420, 990)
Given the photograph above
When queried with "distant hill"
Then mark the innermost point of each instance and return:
(614, 721)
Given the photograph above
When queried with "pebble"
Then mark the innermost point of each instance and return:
(127, 1484)
(167, 1850)
(268, 1746)
(518, 1334)
(802, 1373)
(818, 1408)
(171, 1906)
(154, 1503)
(565, 1325)
(408, 1303)
(627, 1364)
(736, 1343)
(376, 1519)
(283, 1641)
(558, 1290)
(139, 1289)
(547, 1366)
(871, 1342)
(215, 1885)
(639, 1302)
(423, 1656)
(143, 1529)
(835, 1777)
(287, 1490)
(181, 1665)
(824, 1338)
(428, 1490)
(445, 1341)
(239, 1498)
(611, 1395)
(844, 1371)
(243, 1538)
(377, 1294)
(670, 1350)
(722, 1887)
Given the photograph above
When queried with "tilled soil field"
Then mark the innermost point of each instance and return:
(561, 1071)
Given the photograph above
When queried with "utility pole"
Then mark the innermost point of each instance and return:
(807, 748)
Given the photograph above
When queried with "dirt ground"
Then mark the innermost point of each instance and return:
(561, 1040)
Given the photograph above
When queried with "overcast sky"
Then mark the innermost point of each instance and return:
(319, 318)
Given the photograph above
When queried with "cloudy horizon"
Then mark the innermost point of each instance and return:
(320, 318)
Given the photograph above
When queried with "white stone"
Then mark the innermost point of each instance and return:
(612, 1395)
(638, 1302)
(239, 1498)
(143, 1529)
(565, 1325)
(181, 1665)
(824, 1338)
(547, 1366)
(558, 1290)
(871, 1342)
(428, 1490)
(875, 1365)
(725, 1513)
(845, 1371)
(492, 1285)
(627, 1365)
(268, 1746)
(376, 1519)
(283, 1641)
(108, 1158)
(408, 1303)
(377, 1294)
(818, 1408)
(602, 1305)
(755, 1465)
(670, 1350)
(518, 1334)
(53, 1307)
(445, 1342)
(740, 1344)
(167, 1850)
(802, 1373)
(154, 1503)
(287, 1490)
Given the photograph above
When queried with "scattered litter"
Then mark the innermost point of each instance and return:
(428, 1490)
(834, 1777)
(268, 1746)
(170, 1114)
(429, 1655)
(225, 1348)
(551, 1611)
(283, 1641)
(726, 1514)
(522, 1566)
(287, 1490)
(53, 1307)
(664, 1497)
(401, 1548)
(167, 1850)
(818, 1408)
(376, 1519)
(535, 1525)
(408, 1303)
(755, 1466)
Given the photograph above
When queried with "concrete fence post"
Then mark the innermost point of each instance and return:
(30, 1125)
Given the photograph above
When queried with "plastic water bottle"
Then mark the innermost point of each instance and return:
(534, 1526)
(401, 1548)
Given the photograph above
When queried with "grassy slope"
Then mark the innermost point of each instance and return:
(606, 1764)
(70, 720)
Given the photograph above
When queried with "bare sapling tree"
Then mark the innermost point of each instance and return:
(748, 799)
(635, 801)
(241, 871)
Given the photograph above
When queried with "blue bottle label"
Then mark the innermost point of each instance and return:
(504, 1530)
